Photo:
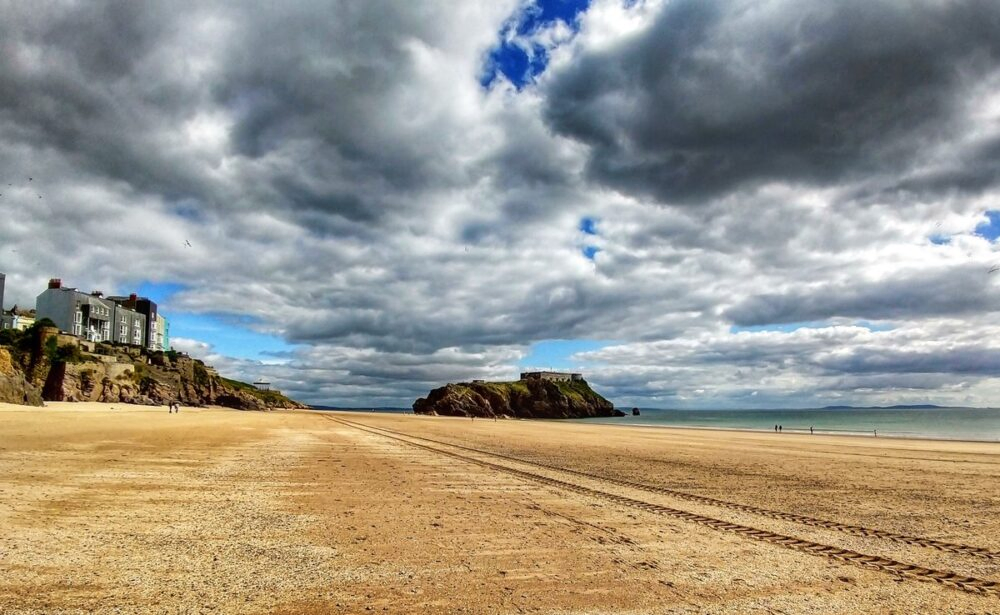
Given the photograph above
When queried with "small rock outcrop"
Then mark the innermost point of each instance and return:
(535, 398)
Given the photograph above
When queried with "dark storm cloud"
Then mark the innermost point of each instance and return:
(85, 80)
(959, 360)
(717, 95)
(969, 290)
(313, 93)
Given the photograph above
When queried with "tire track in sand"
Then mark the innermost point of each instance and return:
(911, 571)
(855, 530)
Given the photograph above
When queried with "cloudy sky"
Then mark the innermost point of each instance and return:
(697, 203)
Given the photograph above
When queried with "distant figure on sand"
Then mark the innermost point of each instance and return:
(775, 429)
(810, 429)
(779, 428)
(175, 406)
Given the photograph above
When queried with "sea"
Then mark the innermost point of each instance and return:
(980, 424)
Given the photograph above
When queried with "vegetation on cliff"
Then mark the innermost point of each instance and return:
(40, 363)
(519, 399)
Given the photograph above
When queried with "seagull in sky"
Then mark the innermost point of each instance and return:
(994, 269)
(187, 243)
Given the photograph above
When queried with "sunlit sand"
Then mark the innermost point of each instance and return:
(214, 510)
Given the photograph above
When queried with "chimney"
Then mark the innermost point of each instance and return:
(55, 283)
(96, 293)
(133, 297)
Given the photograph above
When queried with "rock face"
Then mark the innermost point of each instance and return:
(158, 380)
(539, 399)
(42, 364)
(14, 387)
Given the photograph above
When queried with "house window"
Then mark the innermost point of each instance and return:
(79, 317)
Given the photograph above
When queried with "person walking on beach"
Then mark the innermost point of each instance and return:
(779, 428)
(810, 430)
(775, 429)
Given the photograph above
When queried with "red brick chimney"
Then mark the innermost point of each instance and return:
(55, 283)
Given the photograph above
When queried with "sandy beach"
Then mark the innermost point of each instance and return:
(114, 508)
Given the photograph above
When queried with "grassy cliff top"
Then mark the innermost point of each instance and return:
(270, 398)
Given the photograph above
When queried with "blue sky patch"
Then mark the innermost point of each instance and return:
(875, 326)
(940, 240)
(990, 229)
(555, 354)
(545, 12)
(230, 336)
(513, 59)
(588, 226)
(590, 252)
(160, 292)
(189, 209)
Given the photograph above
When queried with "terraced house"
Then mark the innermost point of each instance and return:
(91, 316)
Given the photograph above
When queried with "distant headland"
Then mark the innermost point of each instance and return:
(895, 407)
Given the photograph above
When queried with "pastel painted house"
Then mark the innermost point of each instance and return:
(90, 316)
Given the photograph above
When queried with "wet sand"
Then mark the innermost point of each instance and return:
(132, 509)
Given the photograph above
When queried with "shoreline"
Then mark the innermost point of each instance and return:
(888, 435)
(800, 432)
(85, 406)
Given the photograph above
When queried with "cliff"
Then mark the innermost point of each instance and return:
(541, 399)
(14, 387)
(41, 363)
(158, 380)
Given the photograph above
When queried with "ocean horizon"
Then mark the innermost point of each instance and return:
(932, 422)
(926, 422)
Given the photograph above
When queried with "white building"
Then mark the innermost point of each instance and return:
(17, 319)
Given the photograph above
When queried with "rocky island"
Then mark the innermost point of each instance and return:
(42, 364)
(539, 395)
